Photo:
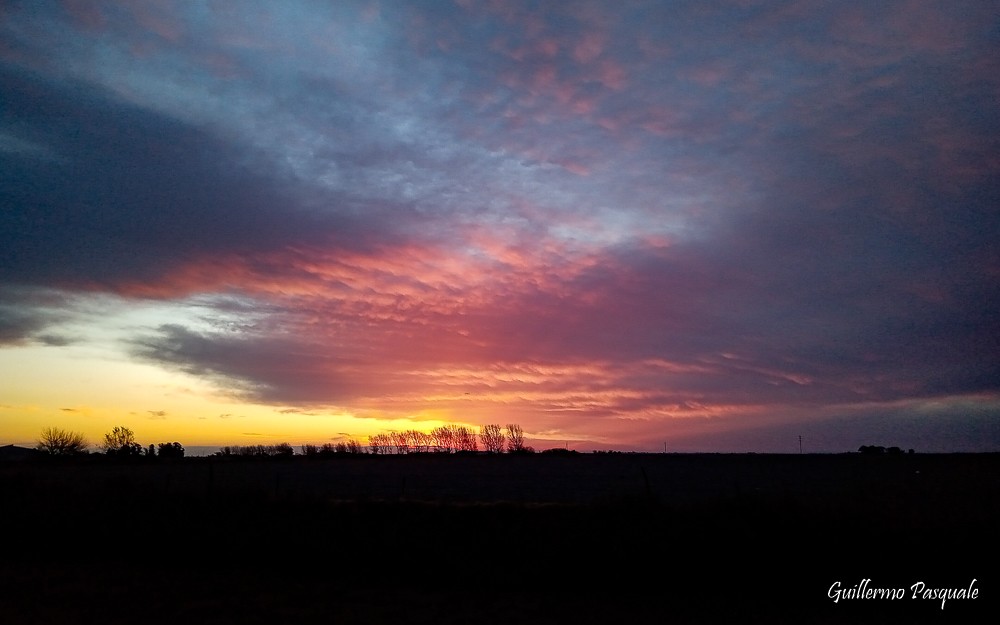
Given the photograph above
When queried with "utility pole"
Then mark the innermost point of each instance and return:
(664, 446)
(800, 443)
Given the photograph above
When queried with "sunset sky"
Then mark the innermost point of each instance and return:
(715, 226)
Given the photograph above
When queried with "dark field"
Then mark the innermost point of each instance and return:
(588, 538)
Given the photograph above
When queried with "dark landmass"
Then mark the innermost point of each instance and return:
(542, 538)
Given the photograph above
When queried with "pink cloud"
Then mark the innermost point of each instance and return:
(589, 47)
(612, 75)
(544, 78)
(663, 121)
(575, 168)
(547, 47)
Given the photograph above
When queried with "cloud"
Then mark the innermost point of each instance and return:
(26, 314)
(732, 329)
(932, 426)
(17, 325)
(55, 340)
(136, 195)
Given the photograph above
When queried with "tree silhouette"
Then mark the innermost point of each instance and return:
(354, 447)
(465, 439)
(443, 438)
(380, 443)
(400, 442)
(419, 442)
(515, 438)
(171, 450)
(281, 450)
(59, 442)
(121, 442)
(492, 438)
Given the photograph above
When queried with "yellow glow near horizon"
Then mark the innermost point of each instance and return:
(78, 389)
(93, 384)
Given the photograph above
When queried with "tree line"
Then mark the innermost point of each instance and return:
(492, 438)
(120, 442)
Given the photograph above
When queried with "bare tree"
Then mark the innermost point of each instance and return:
(515, 438)
(281, 450)
(354, 447)
(418, 441)
(58, 442)
(443, 438)
(465, 439)
(379, 443)
(384, 442)
(399, 441)
(492, 438)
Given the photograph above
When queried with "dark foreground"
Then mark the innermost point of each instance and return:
(533, 539)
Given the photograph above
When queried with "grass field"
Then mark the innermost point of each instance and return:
(586, 538)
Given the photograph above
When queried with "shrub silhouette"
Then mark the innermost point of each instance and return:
(171, 450)
(879, 449)
(872, 449)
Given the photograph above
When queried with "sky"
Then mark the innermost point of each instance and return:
(631, 225)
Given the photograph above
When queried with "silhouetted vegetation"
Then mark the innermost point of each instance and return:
(170, 450)
(492, 438)
(515, 438)
(120, 442)
(58, 442)
(443, 439)
(281, 450)
(523, 451)
(876, 450)
(351, 447)
(379, 444)
(559, 451)
(587, 538)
